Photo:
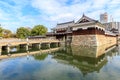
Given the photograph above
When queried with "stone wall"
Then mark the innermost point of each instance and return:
(84, 40)
(93, 40)
(106, 40)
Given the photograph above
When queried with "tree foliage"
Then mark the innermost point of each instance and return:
(1, 31)
(7, 33)
(23, 32)
(39, 30)
(13, 35)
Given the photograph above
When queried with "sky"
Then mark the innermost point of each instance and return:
(28, 13)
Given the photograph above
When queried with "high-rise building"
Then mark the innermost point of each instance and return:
(104, 17)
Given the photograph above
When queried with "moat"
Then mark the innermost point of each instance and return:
(68, 63)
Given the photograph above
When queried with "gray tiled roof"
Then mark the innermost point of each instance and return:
(87, 18)
(64, 25)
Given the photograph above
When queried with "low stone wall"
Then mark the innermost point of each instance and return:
(101, 40)
(93, 40)
(105, 40)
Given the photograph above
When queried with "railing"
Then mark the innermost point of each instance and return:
(18, 41)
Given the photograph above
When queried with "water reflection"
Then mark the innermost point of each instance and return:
(90, 51)
(18, 49)
(69, 63)
(14, 50)
(86, 59)
(40, 56)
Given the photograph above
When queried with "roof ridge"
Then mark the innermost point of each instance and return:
(86, 17)
(66, 22)
(89, 18)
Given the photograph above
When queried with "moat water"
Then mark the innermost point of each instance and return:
(68, 63)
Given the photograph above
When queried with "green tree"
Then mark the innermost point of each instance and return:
(7, 33)
(13, 35)
(39, 30)
(22, 32)
(1, 32)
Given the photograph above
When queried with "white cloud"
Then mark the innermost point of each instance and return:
(99, 4)
(54, 11)
(57, 10)
(61, 11)
(11, 16)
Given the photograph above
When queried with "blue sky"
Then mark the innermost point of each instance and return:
(27, 13)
